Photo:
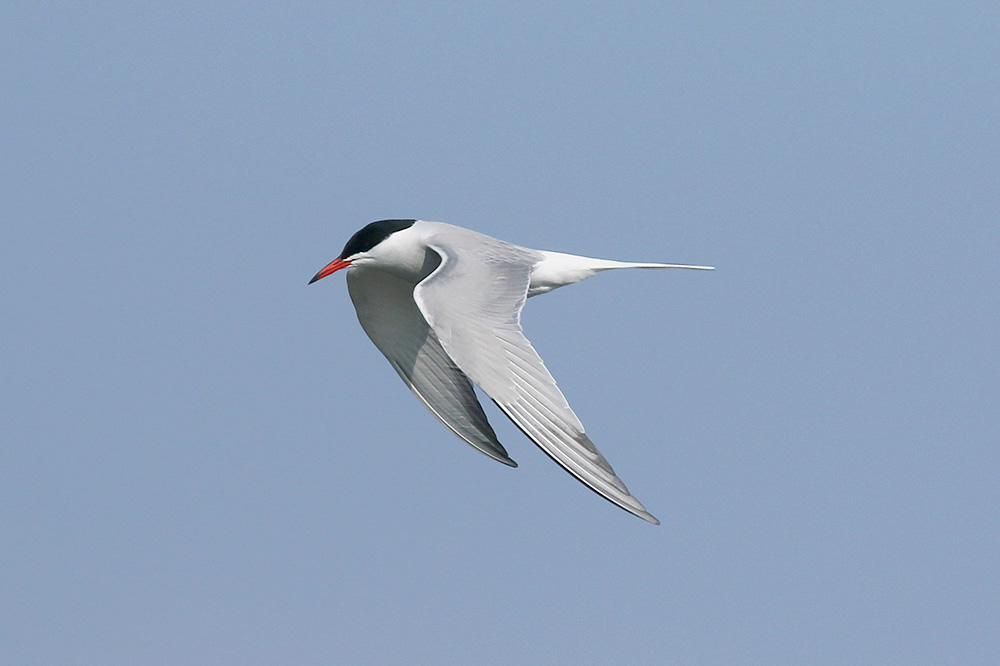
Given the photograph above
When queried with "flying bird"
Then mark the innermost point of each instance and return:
(443, 304)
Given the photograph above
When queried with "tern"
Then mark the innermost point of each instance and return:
(443, 304)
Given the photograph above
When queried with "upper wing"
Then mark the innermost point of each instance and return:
(391, 319)
(474, 307)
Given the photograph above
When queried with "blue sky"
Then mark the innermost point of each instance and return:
(204, 460)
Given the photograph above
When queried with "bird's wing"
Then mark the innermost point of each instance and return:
(391, 319)
(473, 302)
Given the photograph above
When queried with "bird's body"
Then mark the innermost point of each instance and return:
(443, 304)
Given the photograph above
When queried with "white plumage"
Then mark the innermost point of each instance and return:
(443, 304)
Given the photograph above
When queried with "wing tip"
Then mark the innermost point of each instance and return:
(647, 516)
(633, 506)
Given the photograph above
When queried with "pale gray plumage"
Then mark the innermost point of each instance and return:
(443, 304)
(391, 319)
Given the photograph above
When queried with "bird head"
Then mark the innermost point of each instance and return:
(360, 249)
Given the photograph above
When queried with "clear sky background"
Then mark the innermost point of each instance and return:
(205, 461)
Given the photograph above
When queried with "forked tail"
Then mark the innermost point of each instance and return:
(632, 264)
(558, 269)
